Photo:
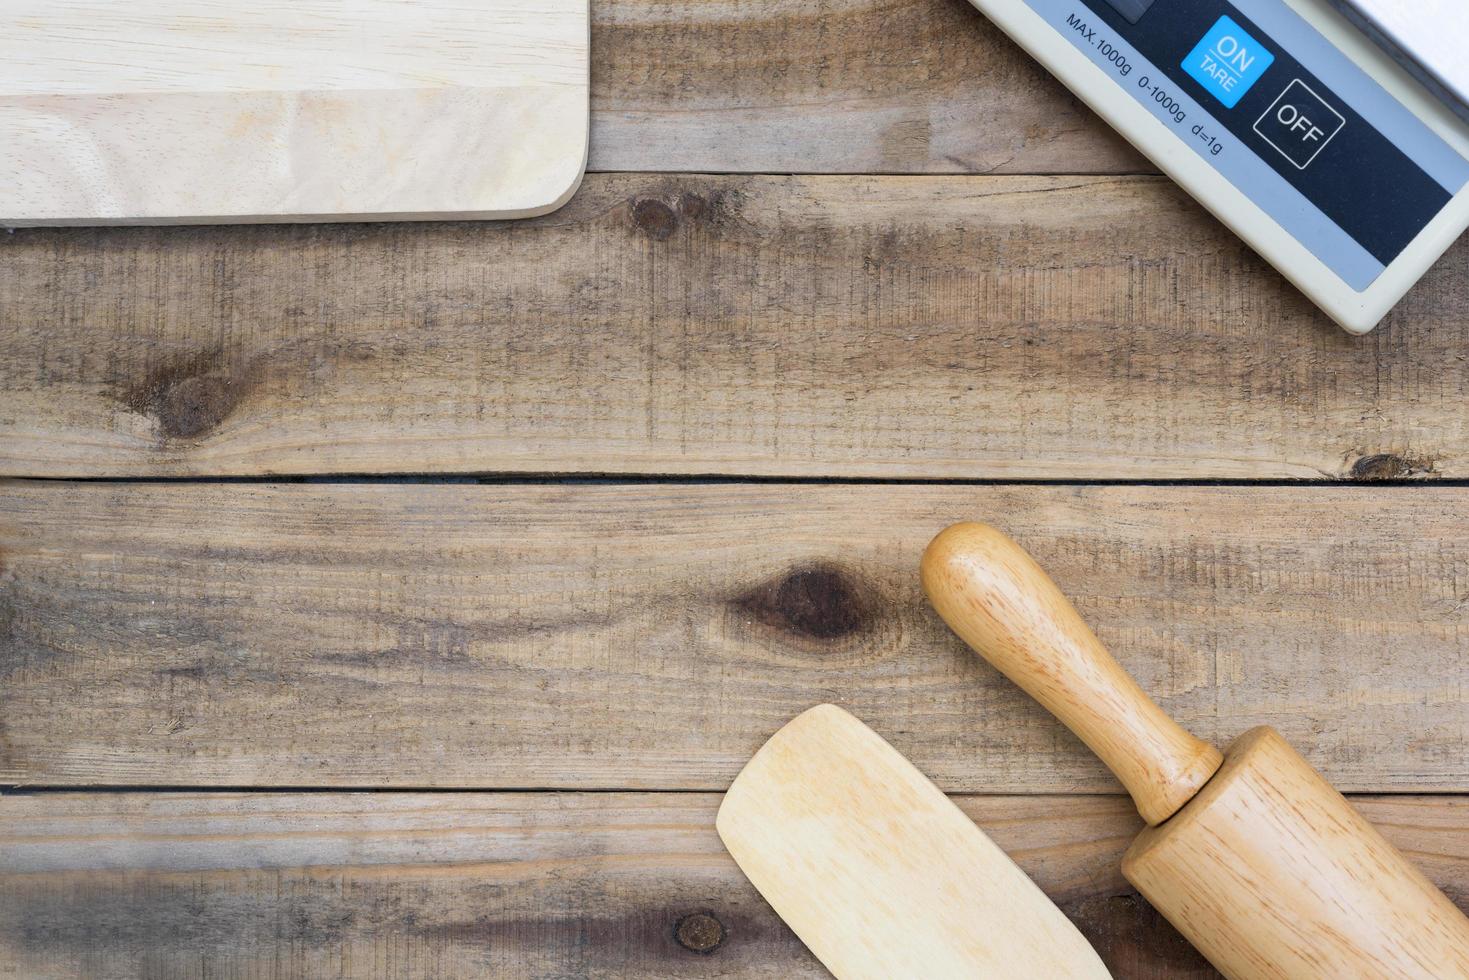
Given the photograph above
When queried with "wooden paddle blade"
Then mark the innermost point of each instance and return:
(878, 872)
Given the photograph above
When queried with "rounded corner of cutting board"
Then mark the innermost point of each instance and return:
(572, 182)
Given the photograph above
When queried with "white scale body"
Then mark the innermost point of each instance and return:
(1347, 171)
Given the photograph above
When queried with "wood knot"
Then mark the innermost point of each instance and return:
(192, 406)
(820, 601)
(692, 206)
(656, 219)
(660, 216)
(188, 399)
(699, 932)
(1390, 466)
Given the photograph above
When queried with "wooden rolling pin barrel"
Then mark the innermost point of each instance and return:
(1251, 854)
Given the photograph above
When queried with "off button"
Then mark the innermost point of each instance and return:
(1299, 123)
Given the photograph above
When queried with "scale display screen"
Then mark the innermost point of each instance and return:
(1282, 114)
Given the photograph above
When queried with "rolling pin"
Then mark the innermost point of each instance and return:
(1250, 854)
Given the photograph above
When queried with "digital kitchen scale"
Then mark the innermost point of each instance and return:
(1292, 121)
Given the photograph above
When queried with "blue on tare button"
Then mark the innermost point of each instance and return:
(1227, 61)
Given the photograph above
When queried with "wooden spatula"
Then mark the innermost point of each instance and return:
(878, 872)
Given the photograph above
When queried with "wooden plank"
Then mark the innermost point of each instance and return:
(831, 86)
(886, 327)
(510, 885)
(652, 637)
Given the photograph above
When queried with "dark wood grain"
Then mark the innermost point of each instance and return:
(508, 885)
(651, 637)
(835, 326)
(831, 86)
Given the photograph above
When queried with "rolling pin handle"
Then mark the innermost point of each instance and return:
(1002, 604)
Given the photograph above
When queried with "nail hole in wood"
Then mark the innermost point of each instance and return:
(699, 932)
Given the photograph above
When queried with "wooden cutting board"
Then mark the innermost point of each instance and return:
(163, 111)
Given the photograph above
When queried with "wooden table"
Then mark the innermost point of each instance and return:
(394, 601)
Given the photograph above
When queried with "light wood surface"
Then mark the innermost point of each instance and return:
(1265, 868)
(560, 885)
(1000, 602)
(877, 872)
(834, 327)
(1274, 876)
(206, 110)
(447, 635)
